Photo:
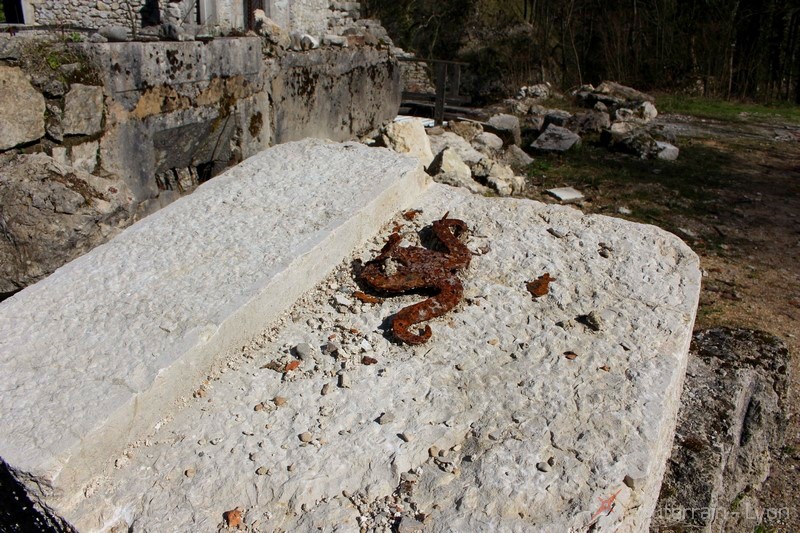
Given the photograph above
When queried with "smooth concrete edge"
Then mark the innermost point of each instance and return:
(138, 417)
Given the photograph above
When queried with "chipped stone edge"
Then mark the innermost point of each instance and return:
(59, 482)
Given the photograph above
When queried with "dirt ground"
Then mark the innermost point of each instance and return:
(734, 197)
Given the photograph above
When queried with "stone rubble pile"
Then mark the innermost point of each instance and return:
(621, 115)
(466, 154)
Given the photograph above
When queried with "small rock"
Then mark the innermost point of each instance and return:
(405, 437)
(262, 471)
(279, 400)
(543, 467)
(433, 451)
(305, 437)
(341, 299)
(331, 348)
(593, 320)
(622, 210)
(555, 139)
(304, 351)
(365, 345)
(344, 381)
(233, 518)
(215, 441)
(557, 233)
(385, 418)
(565, 194)
(190, 472)
(487, 142)
(326, 389)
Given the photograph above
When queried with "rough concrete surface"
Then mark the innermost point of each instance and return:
(94, 355)
(520, 413)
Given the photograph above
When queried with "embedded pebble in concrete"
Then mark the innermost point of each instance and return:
(508, 433)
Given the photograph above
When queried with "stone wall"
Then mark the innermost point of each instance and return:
(335, 93)
(87, 14)
(162, 117)
(316, 17)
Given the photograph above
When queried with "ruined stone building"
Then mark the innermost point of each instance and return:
(312, 16)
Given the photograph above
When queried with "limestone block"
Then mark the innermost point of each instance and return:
(487, 143)
(466, 152)
(516, 157)
(125, 330)
(467, 129)
(515, 416)
(667, 151)
(555, 139)
(53, 213)
(83, 110)
(448, 168)
(21, 109)
(409, 137)
(507, 127)
(84, 156)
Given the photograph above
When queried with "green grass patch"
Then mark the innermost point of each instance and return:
(727, 110)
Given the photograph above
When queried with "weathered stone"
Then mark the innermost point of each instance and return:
(588, 122)
(114, 34)
(308, 42)
(555, 139)
(53, 214)
(271, 30)
(83, 110)
(84, 156)
(611, 94)
(409, 137)
(667, 151)
(21, 109)
(730, 423)
(334, 40)
(466, 152)
(487, 143)
(502, 179)
(558, 117)
(516, 157)
(630, 138)
(538, 91)
(486, 428)
(174, 292)
(566, 194)
(506, 127)
(448, 168)
(466, 129)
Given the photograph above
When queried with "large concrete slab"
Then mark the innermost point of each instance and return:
(92, 357)
(520, 414)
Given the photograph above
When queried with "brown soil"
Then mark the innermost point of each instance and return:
(742, 217)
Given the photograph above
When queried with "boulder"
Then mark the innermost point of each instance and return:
(466, 152)
(627, 137)
(487, 143)
(506, 127)
(21, 109)
(114, 34)
(558, 117)
(450, 169)
(516, 157)
(642, 113)
(538, 91)
(52, 214)
(730, 423)
(334, 40)
(502, 179)
(308, 42)
(667, 151)
(83, 110)
(610, 94)
(555, 139)
(408, 137)
(465, 128)
(588, 122)
(271, 30)
(533, 123)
